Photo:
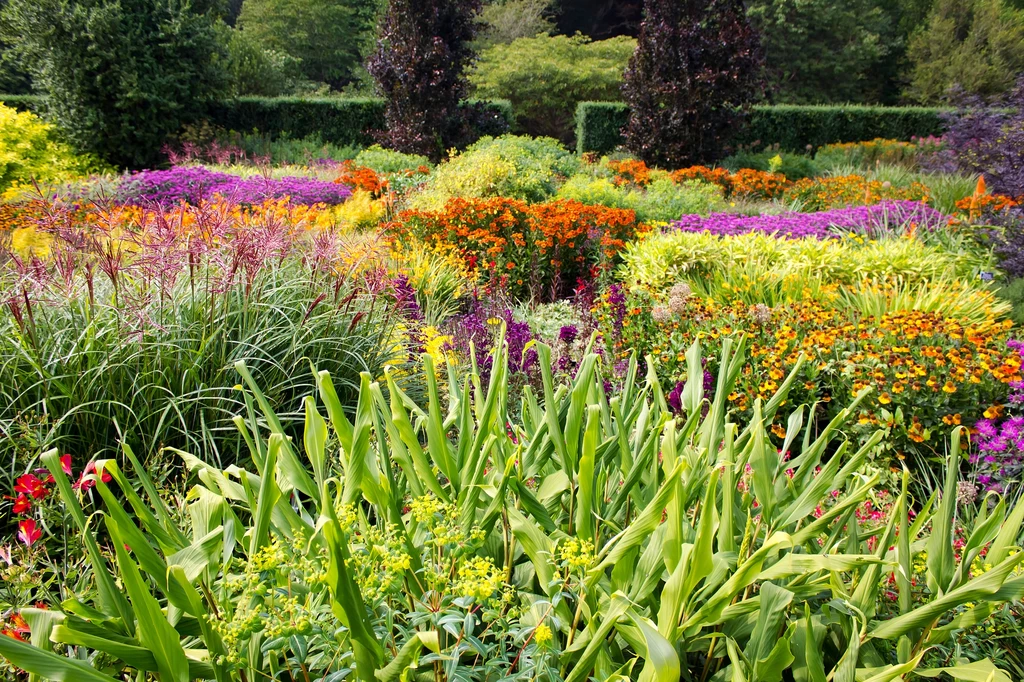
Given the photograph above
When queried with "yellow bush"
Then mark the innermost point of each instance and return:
(29, 150)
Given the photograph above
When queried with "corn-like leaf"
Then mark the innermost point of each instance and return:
(47, 664)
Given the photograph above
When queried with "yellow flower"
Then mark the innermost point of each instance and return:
(542, 634)
(884, 399)
(949, 387)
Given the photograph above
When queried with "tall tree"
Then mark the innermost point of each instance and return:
(697, 65)
(120, 75)
(975, 44)
(424, 49)
(823, 50)
(330, 37)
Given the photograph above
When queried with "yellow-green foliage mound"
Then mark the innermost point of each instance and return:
(30, 150)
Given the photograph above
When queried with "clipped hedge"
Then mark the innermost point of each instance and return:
(599, 126)
(793, 127)
(335, 120)
(33, 103)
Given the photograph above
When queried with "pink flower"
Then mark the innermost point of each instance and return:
(88, 478)
(28, 533)
(65, 464)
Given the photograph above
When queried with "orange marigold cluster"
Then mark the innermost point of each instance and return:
(630, 172)
(823, 194)
(745, 182)
(360, 177)
(539, 250)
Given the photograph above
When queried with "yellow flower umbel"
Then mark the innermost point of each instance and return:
(29, 242)
(478, 579)
(542, 635)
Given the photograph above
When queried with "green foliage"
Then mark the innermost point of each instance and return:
(119, 77)
(661, 201)
(503, 21)
(635, 543)
(599, 126)
(545, 77)
(284, 151)
(330, 39)
(33, 103)
(508, 166)
(254, 69)
(792, 127)
(30, 150)
(796, 128)
(1013, 293)
(793, 166)
(975, 44)
(83, 371)
(661, 259)
(335, 120)
(389, 161)
(820, 51)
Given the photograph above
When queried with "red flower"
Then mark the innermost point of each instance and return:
(28, 533)
(17, 629)
(22, 505)
(30, 485)
(65, 464)
(88, 478)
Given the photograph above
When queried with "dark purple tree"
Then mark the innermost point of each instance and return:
(697, 66)
(424, 49)
(988, 138)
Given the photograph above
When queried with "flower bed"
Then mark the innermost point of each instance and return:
(193, 184)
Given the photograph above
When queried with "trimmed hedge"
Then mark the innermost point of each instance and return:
(793, 127)
(32, 103)
(599, 126)
(335, 120)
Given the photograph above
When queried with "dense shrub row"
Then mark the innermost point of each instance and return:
(599, 125)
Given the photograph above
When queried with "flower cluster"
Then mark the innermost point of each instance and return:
(745, 182)
(822, 194)
(1000, 436)
(630, 172)
(193, 184)
(539, 249)
(360, 178)
(936, 371)
(36, 486)
(881, 218)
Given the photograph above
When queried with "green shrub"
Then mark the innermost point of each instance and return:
(449, 540)
(599, 126)
(389, 161)
(254, 69)
(661, 201)
(792, 127)
(33, 103)
(282, 150)
(1013, 293)
(30, 150)
(120, 78)
(508, 166)
(546, 76)
(793, 166)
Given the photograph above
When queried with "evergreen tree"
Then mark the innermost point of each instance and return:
(424, 49)
(697, 65)
(975, 44)
(120, 75)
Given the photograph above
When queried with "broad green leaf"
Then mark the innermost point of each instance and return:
(47, 664)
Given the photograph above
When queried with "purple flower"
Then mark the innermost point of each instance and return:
(675, 398)
(193, 184)
(568, 333)
(884, 218)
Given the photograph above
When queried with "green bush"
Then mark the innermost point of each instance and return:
(254, 69)
(389, 161)
(508, 166)
(33, 103)
(546, 76)
(599, 126)
(661, 201)
(30, 150)
(792, 127)
(121, 78)
(793, 166)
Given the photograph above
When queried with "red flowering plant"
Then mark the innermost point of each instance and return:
(538, 251)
